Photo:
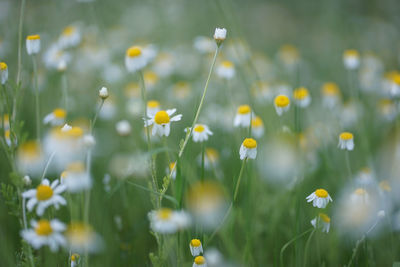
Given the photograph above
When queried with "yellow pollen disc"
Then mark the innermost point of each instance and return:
(199, 128)
(30, 148)
(227, 64)
(199, 260)
(212, 154)
(322, 193)
(195, 243)
(396, 78)
(43, 228)
(171, 165)
(164, 213)
(3, 66)
(74, 257)
(79, 233)
(76, 167)
(7, 134)
(153, 104)
(44, 192)
(250, 143)
(346, 136)
(75, 132)
(244, 109)
(33, 37)
(69, 30)
(351, 53)
(59, 113)
(161, 117)
(325, 217)
(134, 51)
(256, 122)
(64, 174)
(300, 93)
(360, 191)
(282, 101)
(330, 89)
(150, 76)
(384, 185)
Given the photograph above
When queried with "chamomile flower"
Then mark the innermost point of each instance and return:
(70, 37)
(74, 260)
(167, 221)
(56, 117)
(150, 78)
(320, 198)
(56, 58)
(45, 233)
(346, 141)
(82, 238)
(33, 44)
(220, 35)
(257, 127)
(30, 158)
(387, 109)
(195, 247)
(359, 196)
(161, 122)
(75, 178)
(123, 128)
(201, 133)
(282, 104)
(301, 97)
(171, 167)
(243, 116)
(226, 70)
(134, 59)
(351, 59)
(330, 95)
(5, 121)
(204, 44)
(248, 149)
(289, 55)
(199, 261)
(322, 221)
(103, 93)
(7, 136)
(3, 72)
(211, 158)
(153, 106)
(44, 196)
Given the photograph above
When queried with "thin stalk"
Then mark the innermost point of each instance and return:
(48, 164)
(30, 255)
(202, 160)
(37, 104)
(306, 248)
(290, 242)
(93, 122)
(239, 179)
(166, 150)
(64, 84)
(348, 166)
(21, 20)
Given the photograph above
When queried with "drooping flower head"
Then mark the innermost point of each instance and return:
(320, 198)
(33, 44)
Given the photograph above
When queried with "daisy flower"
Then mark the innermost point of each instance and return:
(346, 141)
(289, 55)
(56, 117)
(82, 238)
(201, 133)
(30, 158)
(150, 78)
(134, 59)
(351, 59)
(33, 44)
(301, 97)
(199, 261)
(243, 116)
(45, 195)
(153, 106)
(161, 122)
(360, 196)
(195, 247)
(44, 232)
(75, 178)
(330, 95)
(167, 221)
(320, 198)
(282, 104)
(70, 37)
(7, 136)
(74, 260)
(3, 72)
(257, 127)
(248, 149)
(226, 70)
(171, 167)
(322, 221)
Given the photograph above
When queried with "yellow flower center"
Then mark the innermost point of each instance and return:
(300, 93)
(325, 217)
(195, 243)
(322, 193)
(351, 53)
(59, 113)
(134, 51)
(3, 66)
(76, 167)
(69, 30)
(171, 165)
(44, 192)
(33, 37)
(43, 227)
(199, 128)
(164, 213)
(244, 109)
(250, 143)
(7, 134)
(384, 185)
(282, 101)
(227, 64)
(75, 132)
(256, 122)
(30, 149)
(74, 257)
(161, 117)
(212, 154)
(346, 136)
(199, 260)
(360, 192)
(150, 76)
(330, 89)
(153, 104)
(79, 233)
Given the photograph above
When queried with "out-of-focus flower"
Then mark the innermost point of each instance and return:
(199, 261)
(44, 232)
(200, 133)
(320, 198)
(103, 93)
(289, 55)
(56, 117)
(70, 37)
(27, 180)
(56, 58)
(282, 104)
(351, 59)
(171, 167)
(33, 44)
(204, 44)
(89, 141)
(262, 91)
(153, 106)
(248, 149)
(161, 122)
(181, 90)
(123, 128)
(330, 95)
(301, 97)
(134, 59)
(150, 79)
(74, 260)
(75, 178)
(3, 72)
(167, 221)
(257, 127)
(365, 177)
(322, 221)
(226, 70)
(346, 141)
(387, 109)
(82, 238)
(243, 116)
(30, 158)
(195, 247)
(45, 195)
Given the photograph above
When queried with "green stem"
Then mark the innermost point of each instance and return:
(239, 179)
(306, 248)
(347, 159)
(202, 160)
(37, 104)
(65, 90)
(290, 242)
(21, 20)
